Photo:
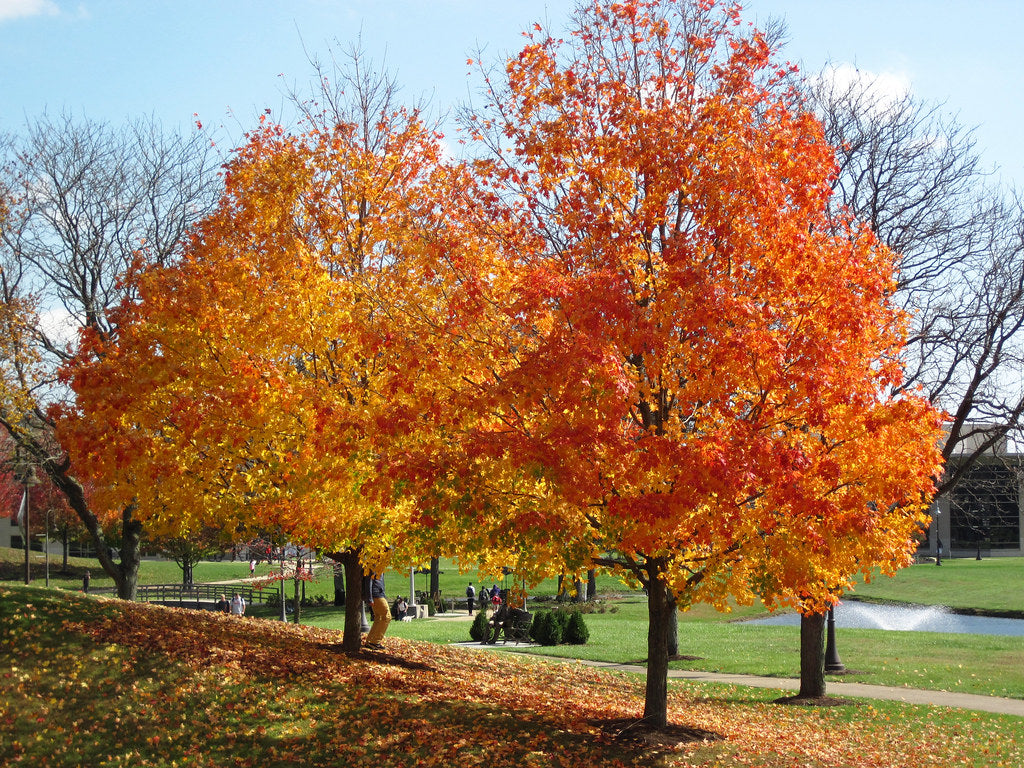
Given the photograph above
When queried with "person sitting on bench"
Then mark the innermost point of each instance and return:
(502, 617)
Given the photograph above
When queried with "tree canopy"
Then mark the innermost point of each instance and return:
(626, 332)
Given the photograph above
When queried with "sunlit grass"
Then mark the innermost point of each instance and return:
(106, 683)
(983, 664)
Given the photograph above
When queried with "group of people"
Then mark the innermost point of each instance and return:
(400, 609)
(488, 597)
(236, 606)
(504, 617)
(375, 594)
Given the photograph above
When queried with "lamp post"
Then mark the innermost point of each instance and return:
(833, 664)
(28, 529)
(46, 546)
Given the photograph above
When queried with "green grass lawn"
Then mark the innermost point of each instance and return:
(119, 685)
(984, 664)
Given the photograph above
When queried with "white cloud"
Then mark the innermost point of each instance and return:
(60, 326)
(887, 87)
(16, 9)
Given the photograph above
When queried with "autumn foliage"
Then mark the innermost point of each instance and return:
(626, 332)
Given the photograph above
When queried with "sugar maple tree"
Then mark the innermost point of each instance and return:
(699, 399)
(243, 389)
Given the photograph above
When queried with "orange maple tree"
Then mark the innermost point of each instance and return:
(243, 390)
(698, 396)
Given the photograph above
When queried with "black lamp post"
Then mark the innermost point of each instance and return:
(833, 664)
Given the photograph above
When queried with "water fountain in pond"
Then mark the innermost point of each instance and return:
(852, 614)
(894, 618)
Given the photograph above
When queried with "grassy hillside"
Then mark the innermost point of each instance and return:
(85, 681)
(716, 642)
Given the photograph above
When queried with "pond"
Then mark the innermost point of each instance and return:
(857, 615)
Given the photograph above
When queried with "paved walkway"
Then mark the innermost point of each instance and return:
(844, 690)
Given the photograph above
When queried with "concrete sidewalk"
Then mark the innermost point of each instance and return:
(970, 701)
(849, 690)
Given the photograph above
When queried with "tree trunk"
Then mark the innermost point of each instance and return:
(660, 607)
(126, 573)
(435, 576)
(812, 655)
(591, 585)
(673, 633)
(284, 595)
(131, 555)
(339, 586)
(351, 640)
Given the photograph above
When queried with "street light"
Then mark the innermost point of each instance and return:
(833, 664)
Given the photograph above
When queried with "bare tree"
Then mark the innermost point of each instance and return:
(914, 176)
(85, 200)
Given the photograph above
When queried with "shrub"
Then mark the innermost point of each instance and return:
(555, 628)
(576, 631)
(561, 620)
(479, 630)
(539, 626)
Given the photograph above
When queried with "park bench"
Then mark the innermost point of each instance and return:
(517, 629)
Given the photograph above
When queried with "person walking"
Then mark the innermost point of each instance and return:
(485, 598)
(470, 597)
(373, 593)
(237, 605)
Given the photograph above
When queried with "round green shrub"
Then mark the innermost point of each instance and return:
(576, 631)
(556, 628)
(479, 630)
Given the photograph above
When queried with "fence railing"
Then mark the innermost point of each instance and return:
(202, 595)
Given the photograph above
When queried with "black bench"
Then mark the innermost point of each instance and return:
(517, 628)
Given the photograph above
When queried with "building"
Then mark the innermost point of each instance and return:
(982, 514)
(10, 533)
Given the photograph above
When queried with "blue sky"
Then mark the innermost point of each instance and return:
(228, 60)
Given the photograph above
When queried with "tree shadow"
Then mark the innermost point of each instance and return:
(631, 731)
(376, 657)
(816, 701)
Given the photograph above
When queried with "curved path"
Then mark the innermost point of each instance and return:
(973, 701)
(998, 705)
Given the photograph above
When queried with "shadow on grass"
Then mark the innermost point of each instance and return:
(128, 684)
(378, 657)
